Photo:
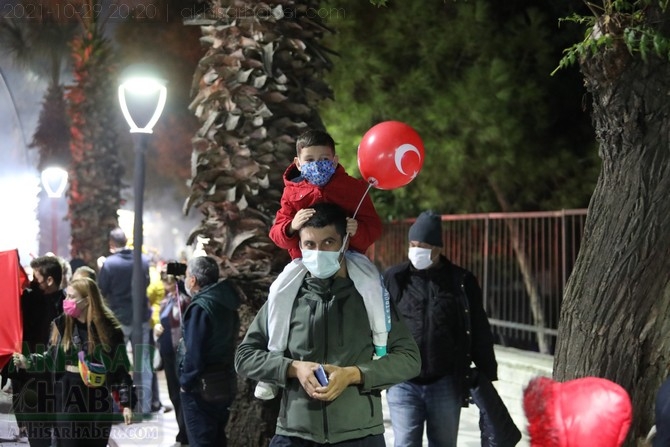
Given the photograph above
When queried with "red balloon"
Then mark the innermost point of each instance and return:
(390, 155)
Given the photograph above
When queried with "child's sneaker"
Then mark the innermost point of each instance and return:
(265, 391)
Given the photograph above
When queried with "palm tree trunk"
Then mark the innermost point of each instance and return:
(255, 90)
(96, 171)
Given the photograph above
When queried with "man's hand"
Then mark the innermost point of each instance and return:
(299, 220)
(352, 226)
(304, 372)
(339, 379)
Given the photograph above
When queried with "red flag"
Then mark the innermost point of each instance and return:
(13, 279)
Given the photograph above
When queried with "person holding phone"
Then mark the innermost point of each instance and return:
(329, 330)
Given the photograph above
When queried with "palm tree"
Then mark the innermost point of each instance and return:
(256, 89)
(94, 194)
(39, 45)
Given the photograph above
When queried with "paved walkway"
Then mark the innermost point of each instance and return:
(516, 368)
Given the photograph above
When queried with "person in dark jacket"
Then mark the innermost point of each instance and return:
(115, 282)
(211, 324)
(442, 305)
(40, 304)
(168, 333)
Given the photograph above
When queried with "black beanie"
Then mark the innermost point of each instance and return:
(427, 229)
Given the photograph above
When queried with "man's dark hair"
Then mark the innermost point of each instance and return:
(204, 269)
(328, 214)
(118, 238)
(314, 138)
(48, 266)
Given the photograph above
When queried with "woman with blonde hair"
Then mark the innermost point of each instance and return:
(87, 356)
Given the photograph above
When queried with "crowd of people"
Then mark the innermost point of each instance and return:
(333, 334)
(71, 379)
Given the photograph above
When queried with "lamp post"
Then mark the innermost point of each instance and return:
(142, 99)
(54, 181)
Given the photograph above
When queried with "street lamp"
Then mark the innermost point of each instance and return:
(54, 181)
(142, 98)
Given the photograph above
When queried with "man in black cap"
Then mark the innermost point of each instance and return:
(442, 305)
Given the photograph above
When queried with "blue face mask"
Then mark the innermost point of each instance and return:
(321, 264)
(318, 173)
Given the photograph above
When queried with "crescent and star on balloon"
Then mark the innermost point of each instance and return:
(400, 153)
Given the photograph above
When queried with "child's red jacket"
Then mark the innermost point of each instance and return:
(343, 190)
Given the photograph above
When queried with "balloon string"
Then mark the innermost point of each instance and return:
(346, 237)
(361, 202)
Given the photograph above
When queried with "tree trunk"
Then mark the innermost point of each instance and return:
(615, 315)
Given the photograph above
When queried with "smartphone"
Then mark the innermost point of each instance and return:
(320, 374)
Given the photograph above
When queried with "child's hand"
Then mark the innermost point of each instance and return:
(352, 226)
(300, 218)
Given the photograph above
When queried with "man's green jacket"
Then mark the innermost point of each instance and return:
(329, 325)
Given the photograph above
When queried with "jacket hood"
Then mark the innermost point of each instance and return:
(588, 411)
(221, 293)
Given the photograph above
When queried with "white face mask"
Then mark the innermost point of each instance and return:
(420, 257)
(321, 264)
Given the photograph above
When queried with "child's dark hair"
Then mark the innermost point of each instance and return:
(328, 214)
(314, 138)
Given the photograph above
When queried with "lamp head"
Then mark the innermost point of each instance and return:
(142, 97)
(54, 181)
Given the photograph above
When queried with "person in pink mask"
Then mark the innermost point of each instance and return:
(88, 363)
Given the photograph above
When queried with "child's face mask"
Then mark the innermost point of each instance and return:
(318, 173)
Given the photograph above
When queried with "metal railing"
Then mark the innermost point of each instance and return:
(522, 262)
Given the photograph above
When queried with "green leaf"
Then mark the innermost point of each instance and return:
(660, 44)
(644, 41)
(629, 39)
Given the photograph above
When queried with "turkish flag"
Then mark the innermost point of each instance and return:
(13, 279)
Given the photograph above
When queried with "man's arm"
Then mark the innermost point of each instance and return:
(104, 280)
(482, 338)
(403, 361)
(196, 332)
(252, 358)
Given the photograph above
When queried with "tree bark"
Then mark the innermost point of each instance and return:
(615, 316)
